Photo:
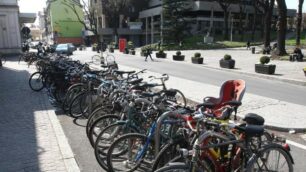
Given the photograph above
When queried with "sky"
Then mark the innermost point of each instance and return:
(33, 6)
(37, 5)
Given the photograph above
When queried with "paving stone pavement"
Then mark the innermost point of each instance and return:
(31, 138)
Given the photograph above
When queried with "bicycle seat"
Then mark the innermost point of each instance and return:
(149, 94)
(135, 81)
(253, 119)
(124, 72)
(254, 130)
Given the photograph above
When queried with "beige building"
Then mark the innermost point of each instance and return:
(10, 24)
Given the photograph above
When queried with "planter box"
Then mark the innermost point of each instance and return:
(161, 55)
(229, 64)
(94, 49)
(265, 69)
(126, 51)
(197, 60)
(132, 52)
(143, 54)
(111, 50)
(178, 58)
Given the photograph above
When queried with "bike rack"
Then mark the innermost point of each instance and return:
(173, 114)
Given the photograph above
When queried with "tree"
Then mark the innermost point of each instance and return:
(281, 27)
(176, 26)
(299, 23)
(225, 4)
(92, 25)
(267, 6)
(242, 7)
(114, 8)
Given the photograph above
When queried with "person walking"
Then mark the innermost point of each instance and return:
(148, 53)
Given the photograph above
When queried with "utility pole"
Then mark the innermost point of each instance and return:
(162, 23)
(232, 28)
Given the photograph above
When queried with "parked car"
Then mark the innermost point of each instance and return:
(65, 49)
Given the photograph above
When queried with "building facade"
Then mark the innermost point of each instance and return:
(207, 17)
(10, 40)
(62, 22)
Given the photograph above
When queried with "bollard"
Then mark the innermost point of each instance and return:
(253, 50)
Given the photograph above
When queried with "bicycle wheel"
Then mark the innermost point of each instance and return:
(177, 98)
(3, 60)
(271, 158)
(97, 113)
(72, 92)
(79, 105)
(176, 167)
(130, 153)
(96, 59)
(36, 81)
(99, 125)
(107, 136)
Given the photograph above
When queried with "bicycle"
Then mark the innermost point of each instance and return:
(2, 60)
(222, 152)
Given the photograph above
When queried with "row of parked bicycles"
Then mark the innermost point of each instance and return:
(133, 125)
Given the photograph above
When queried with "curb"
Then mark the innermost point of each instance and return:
(271, 77)
(65, 149)
(287, 80)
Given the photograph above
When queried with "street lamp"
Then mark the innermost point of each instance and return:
(161, 23)
(232, 21)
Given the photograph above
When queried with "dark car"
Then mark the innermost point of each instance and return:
(65, 49)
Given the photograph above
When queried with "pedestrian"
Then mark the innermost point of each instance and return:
(248, 45)
(148, 53)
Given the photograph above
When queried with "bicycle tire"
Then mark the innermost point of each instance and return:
(70, 95)
(101, 149)
(3, 60)
(166, 154)
(96, 59)
(266, 150)
(40, 79)
(97, 113)
(126, 164)
(75, 109)
(99, 125)
(177, 167)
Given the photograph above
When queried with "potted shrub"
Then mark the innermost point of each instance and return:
(132, 51)
(304, 69)
(197, 59)
(143, 51)
(178, 56)
(126, 51)
(227, 62)
(111, 49)
(263, 67)
(94, 47)
(161, 54)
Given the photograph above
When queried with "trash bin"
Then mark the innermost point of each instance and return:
(253, 50)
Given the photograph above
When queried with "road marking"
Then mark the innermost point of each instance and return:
(296, 144)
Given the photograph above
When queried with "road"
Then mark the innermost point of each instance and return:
(75, 129)
(264, 87)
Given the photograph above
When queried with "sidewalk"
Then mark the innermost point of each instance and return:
(277, 113)
(31, 138)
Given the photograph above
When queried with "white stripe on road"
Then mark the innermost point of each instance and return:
(296, 144)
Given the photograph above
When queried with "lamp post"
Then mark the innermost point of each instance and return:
(232, 18)
(162, 23)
